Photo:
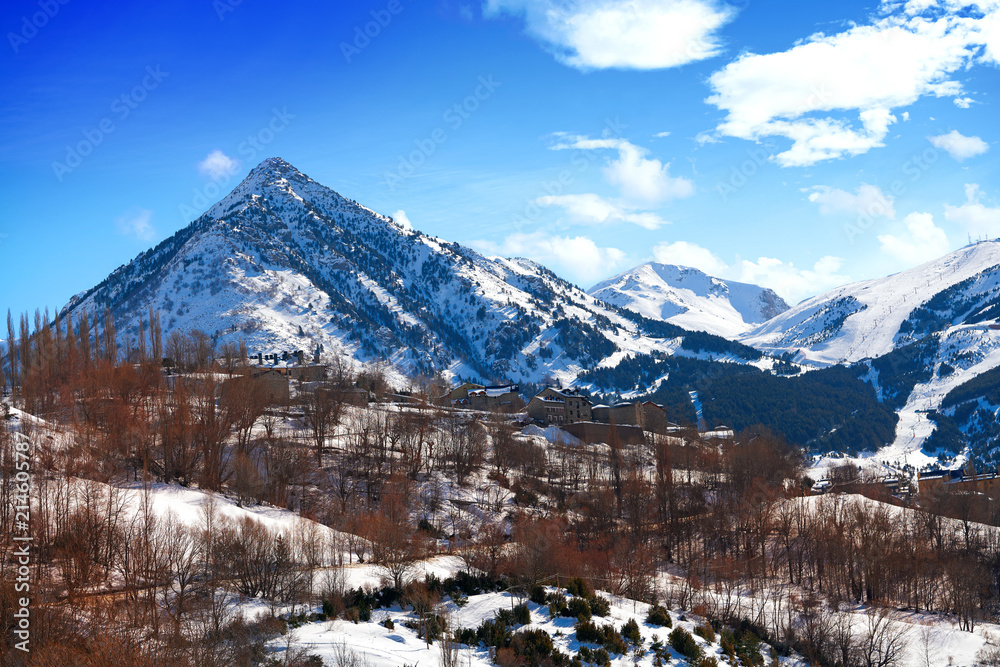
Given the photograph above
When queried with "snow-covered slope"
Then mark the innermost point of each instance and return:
(690, 298)
(286, 263)
(919, 333)
(871, 318)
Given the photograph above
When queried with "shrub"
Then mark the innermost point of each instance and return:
(600, 606)
(505, 616)
(602, 658)
(388, 624)
(537, 594)
(434, 627)
(466, 636)
(522, 616)
(557, 606)
(682, 642)
(533, 645)
(630, 632)
(588, 632)
(706, 632)
(577, 608)
(605, 635)
(580, 587)
(659, 616)
(742, 645)
(493, 633)
(329, 610)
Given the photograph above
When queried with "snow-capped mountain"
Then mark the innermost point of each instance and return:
(690, 298)
(917, 336)
(286, 263)
(872, 318)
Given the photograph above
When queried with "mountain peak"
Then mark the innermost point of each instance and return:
(274, 169)
(273, 176)
(690, 298)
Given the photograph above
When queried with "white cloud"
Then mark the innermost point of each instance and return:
(689, 254)
(790, 282)
(963, 102)
(629, 34)
(402, 220)
(975, 217)
(868, 201)
(578, 257)
(922, 242)
(959, 146)
(919, 6)
(137, 223)
(661, 135)
(217, 165)
(643, 181)
(861, 74)
(592, 209)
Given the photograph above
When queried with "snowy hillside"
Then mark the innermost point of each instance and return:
(286, 263)
(690, 298)
(871, 318)
(919, 333)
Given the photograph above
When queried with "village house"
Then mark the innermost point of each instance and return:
(459, 393)
(655, 419)
(646, 415)
(274, 383)
(959, 481)
(474, 396)
(356, 396)
(594, 433)
(305, 373)
(559, 406)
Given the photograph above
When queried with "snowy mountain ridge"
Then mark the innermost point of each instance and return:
(872, 318)
(286, 263)
(917, 335)
(690, 298)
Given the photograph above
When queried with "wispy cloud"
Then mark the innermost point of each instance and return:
(683, 253)
(867, 200)
(976, 218)
(791, 282)
(402, 219)
(959, 146)
(591, 209)
(626, 34)
(217, 165)
(577, 257)
(919, 242)
(136, 223)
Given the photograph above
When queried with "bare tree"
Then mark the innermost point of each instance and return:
(323, 409)
(393, 548)
(244, 400)
(883, 642)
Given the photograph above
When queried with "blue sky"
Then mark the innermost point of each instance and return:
(797, 145)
